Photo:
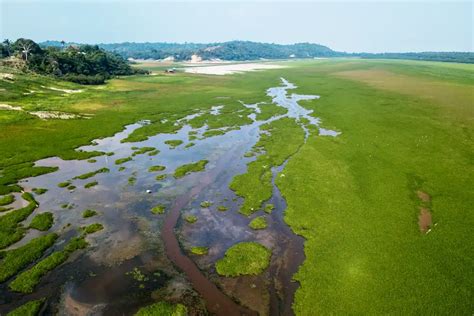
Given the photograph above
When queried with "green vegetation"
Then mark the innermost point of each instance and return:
(270, 110)
(16, 259)
(173, 143)
(26, 281)
(64, 184)
(11, 230)
(258, 223)
(206, 204)
(71, 187)
(269, 208)
(90, 184)
(153, 152)
(183, 170)
(7, 199)
(159, 209)
(32, 308)
(161, 177)
(245, 258)
(200, 251)
(89, 213)
(163, 308)
(283, 139)
(92, 173)
(191, 219)
(85, 64)
(132, 180)
(156, 168)
(191, 144)
(222, 208)
(43, 221)
(143, 150)
(122, 160)
(92, 228)
(213, 132)
(39, 191)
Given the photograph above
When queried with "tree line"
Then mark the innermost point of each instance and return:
(84, 64)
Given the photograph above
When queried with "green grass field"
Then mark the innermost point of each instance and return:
(405, 126)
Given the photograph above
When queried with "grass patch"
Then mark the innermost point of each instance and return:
(245, 258)
(156, 168)
(90, 184)
(16, 259)
(283, 139)
(153, 152)
(39, 191)
(122, 160)
(92, 228)
(32, 308)
(27, 281)
(200, 251)
(269, 208)
(173, 143)
(163, 308)
(92, 173)
(7, 199)
(64, 184)
(143, 150)
(206, 204)
(258, 223)
(191, 144)
(191, 219)
(222, 208)
(43, 221)
(89, 213)
(161, 177)
(159, 209)
(10, 229)
(183, 170)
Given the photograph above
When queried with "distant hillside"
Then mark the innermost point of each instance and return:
(245, 50)
(235, 50)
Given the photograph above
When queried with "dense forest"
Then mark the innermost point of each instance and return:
(85, 64)
(245, 50)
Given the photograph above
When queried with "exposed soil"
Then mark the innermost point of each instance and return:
(424, 220)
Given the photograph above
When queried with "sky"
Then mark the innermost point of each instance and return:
(351, 26)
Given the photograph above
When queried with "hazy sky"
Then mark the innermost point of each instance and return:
(371, 26)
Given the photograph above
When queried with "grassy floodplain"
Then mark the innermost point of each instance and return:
(405, 126)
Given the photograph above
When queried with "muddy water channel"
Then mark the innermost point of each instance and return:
(141, 257)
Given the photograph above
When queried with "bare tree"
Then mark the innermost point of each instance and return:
(26, 49)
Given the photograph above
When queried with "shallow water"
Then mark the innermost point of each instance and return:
(96, 281)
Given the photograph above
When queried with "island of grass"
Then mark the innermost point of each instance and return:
(64, 184)
(245, 258)
(16, 259)
(161, 177)
(92, 228)
(200, 251)
(143, 150)
(258, 223)
(89, 213)
(122, 160)
(222, 208)
(191, 167)
(153, 152)
(92, 173)
(27, 280)
(173, 143)
(269, 208)
(39, 191)
(191, 219)
(43, 221)
(7, 199)
(163, 308)
(206, 204)
(159, 209)
(11, 230)
(32, 308)
(156, 168)
(91, 184)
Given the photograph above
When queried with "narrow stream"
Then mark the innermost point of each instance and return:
(99, 281)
